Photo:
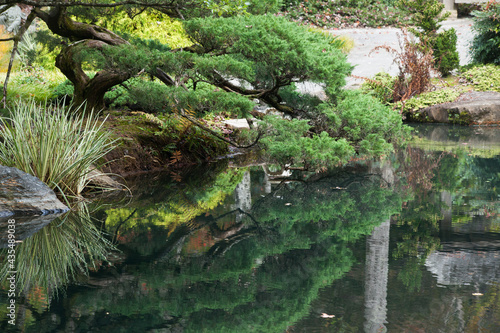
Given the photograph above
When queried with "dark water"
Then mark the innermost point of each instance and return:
(408, 244)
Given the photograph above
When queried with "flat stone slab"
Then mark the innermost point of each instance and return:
(237, 123)
(23, 194)
(473, 108)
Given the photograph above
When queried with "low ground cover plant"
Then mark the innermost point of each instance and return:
(472, 77)
(482, 77)
(346, 13)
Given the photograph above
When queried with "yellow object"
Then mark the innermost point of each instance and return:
(347, 42)
(5, 48)
(147, 25)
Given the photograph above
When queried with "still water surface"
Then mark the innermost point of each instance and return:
(408, 244)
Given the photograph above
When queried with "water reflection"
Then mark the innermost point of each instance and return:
(26, 226)
(407, 244)
(440, 273)
(48, 260)
(376, 276)
(257, 269)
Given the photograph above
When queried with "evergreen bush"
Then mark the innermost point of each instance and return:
(445, 53)
(427, 16)
(381, 87)
(261, 7)
(485, 45)
(356, 124)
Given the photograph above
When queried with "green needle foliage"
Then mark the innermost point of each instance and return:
(427, 15)
(59, 149)
(232, 62)
(486, 43)
(269, 52)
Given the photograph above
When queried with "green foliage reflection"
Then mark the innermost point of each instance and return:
(259, 273)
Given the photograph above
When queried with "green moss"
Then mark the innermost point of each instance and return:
(462, 118)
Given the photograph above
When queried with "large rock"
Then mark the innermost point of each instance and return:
(23, 194)
(471, 108)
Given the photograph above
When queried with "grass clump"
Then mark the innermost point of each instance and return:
(60, 149)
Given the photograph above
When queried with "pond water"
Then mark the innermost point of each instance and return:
(407, 244)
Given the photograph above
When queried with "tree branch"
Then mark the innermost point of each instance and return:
(212, 132)
(60, 23)
(17, 38)
(269, 96)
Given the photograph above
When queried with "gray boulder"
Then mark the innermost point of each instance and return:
(471, 108)
(23, 194)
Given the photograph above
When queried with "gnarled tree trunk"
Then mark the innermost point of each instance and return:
(86, 36)
(88, 90)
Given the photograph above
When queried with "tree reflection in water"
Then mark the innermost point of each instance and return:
(227, 251)
(256, 269)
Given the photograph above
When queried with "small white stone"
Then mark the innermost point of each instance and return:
(237, 123)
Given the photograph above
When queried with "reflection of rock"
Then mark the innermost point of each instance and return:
(440, 134)
(483, 138)
(25, 226)
(464, 267)
(473, 107)
(376, 276)
(384, 169)
(478, 136)
(243, 195)
(23, 194)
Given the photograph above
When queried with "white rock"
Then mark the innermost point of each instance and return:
(237, 123)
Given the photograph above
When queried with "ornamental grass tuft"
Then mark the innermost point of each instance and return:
(59, 147)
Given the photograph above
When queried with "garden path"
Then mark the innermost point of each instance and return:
(369, 63)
